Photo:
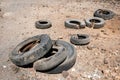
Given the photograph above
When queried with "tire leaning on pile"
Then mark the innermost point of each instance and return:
(24, 58)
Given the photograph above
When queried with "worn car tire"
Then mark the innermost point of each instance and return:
(43, 24)
(80, 39)
(70, 59)
(25, 53)
(74, 23)
(45, 64)
(95, 22)
(104, 13)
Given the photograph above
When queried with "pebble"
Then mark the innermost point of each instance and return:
(73, 69)
(105, 61)
(7, 14)
(89, 47)
(65, 74)
(60, 37)
(4, 66)
(102, 30)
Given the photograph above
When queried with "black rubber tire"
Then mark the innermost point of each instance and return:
(80, 39)
(51, 62)
(95, 22)
(74, 23)
(43, 24)
(21, 58)
(104, 13)
(69, 61)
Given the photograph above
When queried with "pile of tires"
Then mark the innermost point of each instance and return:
(46, 55)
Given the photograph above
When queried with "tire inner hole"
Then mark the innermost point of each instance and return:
(75, 22)
(43, 22)
(51, 52)
(81, 36)
(95, 21)
(29, 46)
(104, 12)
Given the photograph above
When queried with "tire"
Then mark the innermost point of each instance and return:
(80, 39)
(74, 23)
(95, 22)
(103, 13)
(51, 62)
(43, 24)
(70, 59)
(23, 56)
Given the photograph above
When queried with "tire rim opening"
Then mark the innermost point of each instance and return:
(29, 46)
(81, 36)
(43, 22)
(104, 12)
(95, 21)
(75, 22)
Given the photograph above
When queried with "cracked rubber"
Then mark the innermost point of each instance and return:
(70, 59)
(104, 13)
(74, 23)
(80, 39)
(22, 58)
(95, 22)
(43, 24)
(45, 64)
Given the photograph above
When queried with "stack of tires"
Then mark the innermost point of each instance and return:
(46, 55)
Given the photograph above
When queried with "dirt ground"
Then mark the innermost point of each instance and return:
(99, 60)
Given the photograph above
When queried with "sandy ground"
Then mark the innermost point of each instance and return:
(99, 60)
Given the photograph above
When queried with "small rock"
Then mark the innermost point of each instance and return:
(105, 61)
(118, 59)
(4, 66)
(89, 47)
(7, 14)
(73, 69)
(65, 74)
(102, 30)
(60, 37)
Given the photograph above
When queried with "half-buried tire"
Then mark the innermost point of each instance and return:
(80, 39)
(104, 13)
